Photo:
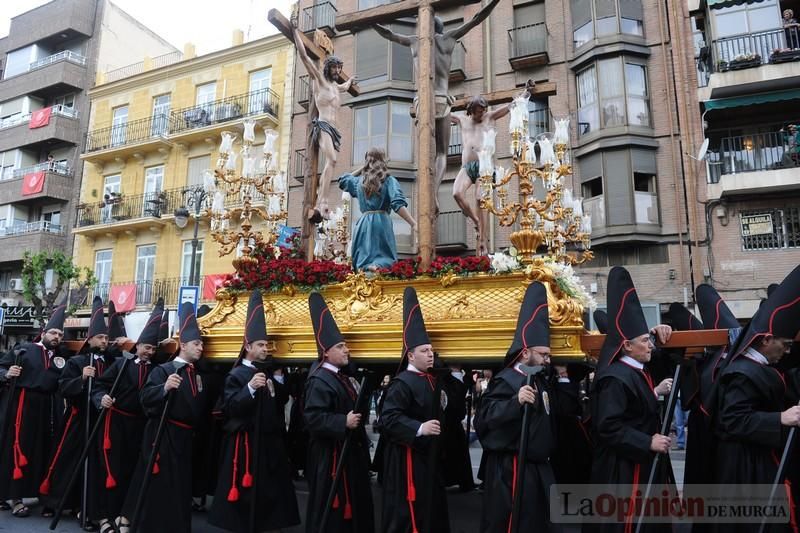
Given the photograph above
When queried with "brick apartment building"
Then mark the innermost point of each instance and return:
(49, 60)
(621, 77)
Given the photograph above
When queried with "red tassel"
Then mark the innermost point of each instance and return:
(17, 473)
(348, 512)
(247, 480)
(44, 488)
(22, 461)
(110, 482)
(156, 470)
(233, 494)
(335, 502)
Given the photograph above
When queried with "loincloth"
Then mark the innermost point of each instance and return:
(442, 103)
(318, 126)
(473, 171)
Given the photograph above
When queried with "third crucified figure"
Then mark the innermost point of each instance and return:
(445, 43)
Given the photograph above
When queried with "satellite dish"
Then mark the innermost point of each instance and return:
(701, 155)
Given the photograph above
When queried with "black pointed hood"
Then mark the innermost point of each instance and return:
(714, 313)
(255, 325)
(682, 319)
(116, 323)
(601, 321)
(149, 334)
(326, 332)
(778, 316)
(771, 288)
(625, 315)
(414, 332)
(163, 329)
(57, 316)
(97, 321)
(533, 322)
(189, 331)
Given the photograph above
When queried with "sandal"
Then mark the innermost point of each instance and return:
(48, 512)
(107, 526)
(21, 510)
(122, 524)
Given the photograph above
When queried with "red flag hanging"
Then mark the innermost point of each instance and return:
(211, 283)
(33, 183)
(40, 117)
(124, 297)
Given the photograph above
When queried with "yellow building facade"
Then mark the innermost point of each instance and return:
(151, 136)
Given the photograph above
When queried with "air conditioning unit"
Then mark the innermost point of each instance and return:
(15, 284)
(9, 302)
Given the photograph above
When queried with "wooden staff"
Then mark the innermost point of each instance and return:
(151, 461)
(530, 372)
(340, 460)
(265, 367)
(665, 425)
(779, 475)
(85, 453)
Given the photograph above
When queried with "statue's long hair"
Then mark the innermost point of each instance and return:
(375, 171)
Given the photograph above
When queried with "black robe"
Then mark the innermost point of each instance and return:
(71, 439)
(750, 435)
(327, 400)
(276, 500)
(40, 414)
(625, 416)
(499, 426)
(410, 492)
(572, 459)
(168, 502)
(456, 462)
(119, 437)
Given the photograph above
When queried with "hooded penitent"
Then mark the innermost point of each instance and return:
(414, 332)
(255, 326)
(326, 332)
(150, 332)
(189, 331)
(97, 322)
(533, 322)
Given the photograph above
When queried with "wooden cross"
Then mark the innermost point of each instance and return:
(424, 10)
(311, 180)
(543, 89)
(694, 341)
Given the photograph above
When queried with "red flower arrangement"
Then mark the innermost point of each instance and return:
(459, 265)
(401, 269)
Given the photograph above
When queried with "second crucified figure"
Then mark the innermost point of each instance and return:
(324, 133)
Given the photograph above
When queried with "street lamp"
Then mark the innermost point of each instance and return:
(194, 197)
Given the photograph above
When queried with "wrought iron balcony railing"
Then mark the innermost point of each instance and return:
(527, 40)
(754, 49)
(66, 55)
(752, 153)
(225, 109)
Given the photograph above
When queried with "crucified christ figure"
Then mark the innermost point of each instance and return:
(445, 43)
(323, 129)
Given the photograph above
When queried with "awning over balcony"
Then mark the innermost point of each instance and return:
(752, 99)
(719, 4)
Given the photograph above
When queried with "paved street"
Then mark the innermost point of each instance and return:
(464, 508)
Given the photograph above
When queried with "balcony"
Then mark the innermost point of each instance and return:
(527, 46)
(320, 16)
(123, 214)
(147, 291)
(210, 119)
(127, 139)
(50, 76)
(454, 148)
(458, 66)
(138, 68)
(303, 90)
(32, 236)
(754, 163)
(15, 132)
(754, 62)
(55, 21)
(451, 231)
(58, 184)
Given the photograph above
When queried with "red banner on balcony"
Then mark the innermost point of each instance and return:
(40, 117)
(124, 297)
(33, 183)
(211, 284)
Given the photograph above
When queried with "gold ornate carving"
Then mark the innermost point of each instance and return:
(462, 308)
(226, 306)
(364, 299)
(448, 279)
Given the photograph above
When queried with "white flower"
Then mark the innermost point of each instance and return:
(503, 262)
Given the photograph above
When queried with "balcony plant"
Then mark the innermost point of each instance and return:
(784, 55)
(743, 61)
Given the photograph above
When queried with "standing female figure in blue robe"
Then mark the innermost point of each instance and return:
(373, 242)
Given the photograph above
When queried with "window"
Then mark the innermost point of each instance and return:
(538, 117)
(102, 270)
(112, 184)
(259, 97)
(742, 20)
(602, 18)
(612, 93)
(593, 202)
(645, 198)
(52, 221)
(153, 182)
(529, 35)
(19, 61)
(145, 267)
(119, 125)
(8, 162)
(66, 101)
(767, 229)
(206, 93)
(197, 165)
(372, 124)
(643, 254)
(186, 262)
(161, 106)
(372, 52)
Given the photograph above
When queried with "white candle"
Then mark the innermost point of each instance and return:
(230, 164)
(346, 196)
(269, 140)
(530, 153)
(485, 164)
(249, 130)
(547, 156)
(226, 145)
(586, 226)
(489, 141)
(577, 206)
(279, 182)
(561, 135)
(209, 181)
(566, 198)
